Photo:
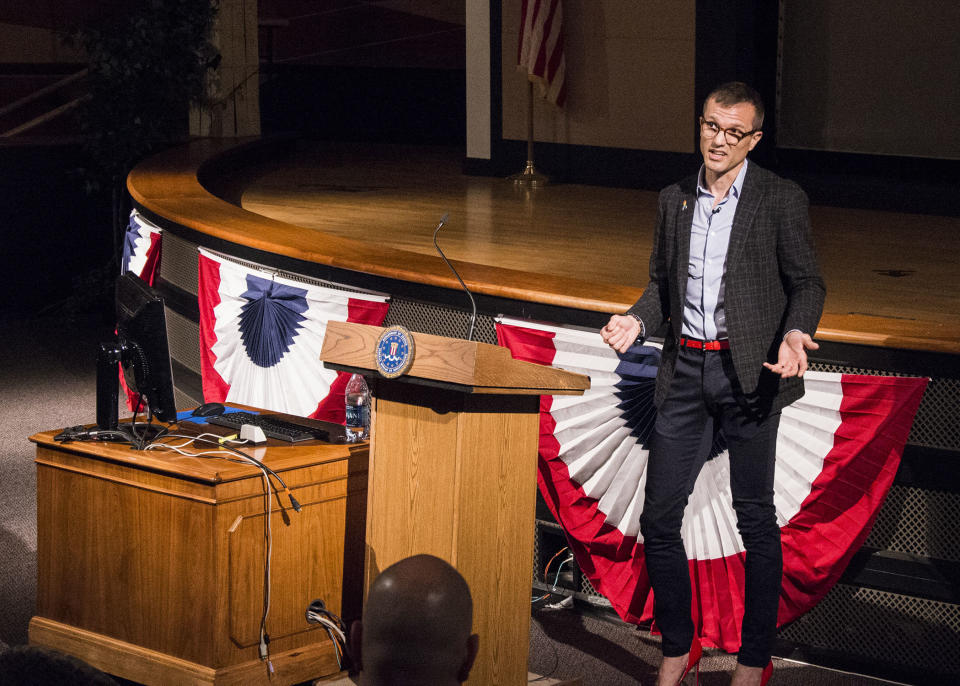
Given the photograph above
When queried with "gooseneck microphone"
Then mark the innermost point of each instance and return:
(473, 303)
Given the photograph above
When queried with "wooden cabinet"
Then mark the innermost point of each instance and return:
(151, 566)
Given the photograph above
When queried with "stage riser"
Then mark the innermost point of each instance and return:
(878, 631)
(901, 634)
(937, 424)
(890, 635)
(918, 522)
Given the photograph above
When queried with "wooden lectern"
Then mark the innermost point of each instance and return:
(452, 473)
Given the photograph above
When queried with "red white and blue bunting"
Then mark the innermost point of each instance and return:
(261, 335)
(838, 450)
(141, 248)
(141, 255)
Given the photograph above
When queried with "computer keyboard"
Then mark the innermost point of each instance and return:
(271, 426)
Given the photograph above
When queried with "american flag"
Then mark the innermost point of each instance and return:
(540, 52)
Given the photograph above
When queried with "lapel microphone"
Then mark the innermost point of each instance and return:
(473, 303)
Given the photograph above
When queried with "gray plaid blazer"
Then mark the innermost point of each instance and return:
(772, 281)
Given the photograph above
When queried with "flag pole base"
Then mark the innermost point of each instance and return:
(529, 177)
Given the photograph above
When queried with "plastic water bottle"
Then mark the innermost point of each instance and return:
(357, 397)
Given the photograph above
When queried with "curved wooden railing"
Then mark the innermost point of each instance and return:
(169, 185)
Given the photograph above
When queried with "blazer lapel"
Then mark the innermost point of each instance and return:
(684, 223)
(750, 197)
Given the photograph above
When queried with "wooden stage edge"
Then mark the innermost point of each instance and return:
(344, 208)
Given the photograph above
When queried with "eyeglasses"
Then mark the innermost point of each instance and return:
(709, 129)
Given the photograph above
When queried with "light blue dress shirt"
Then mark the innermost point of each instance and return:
(703, 315)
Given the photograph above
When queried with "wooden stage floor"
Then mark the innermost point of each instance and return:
(885, 271)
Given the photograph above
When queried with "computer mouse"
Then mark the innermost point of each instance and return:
(208, 410)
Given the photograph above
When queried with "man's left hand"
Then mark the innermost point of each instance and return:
(792, 356)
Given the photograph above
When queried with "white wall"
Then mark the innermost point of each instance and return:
(883, 80)
(478, 79)
(630, 76)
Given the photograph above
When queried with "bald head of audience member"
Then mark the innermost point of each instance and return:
(416, 625)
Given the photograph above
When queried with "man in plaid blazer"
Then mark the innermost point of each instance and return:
(734, 276)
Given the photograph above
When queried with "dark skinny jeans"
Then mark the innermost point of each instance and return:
(703, 393)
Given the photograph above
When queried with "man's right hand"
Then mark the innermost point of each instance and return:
(620, 332)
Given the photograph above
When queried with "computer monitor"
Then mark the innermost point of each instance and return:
(142, 352)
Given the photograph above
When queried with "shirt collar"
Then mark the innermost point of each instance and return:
(737, 182)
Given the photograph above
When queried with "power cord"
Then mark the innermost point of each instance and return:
(143, 440)
(268, 488)
(317, 613)
(546, 573)
(224, 448)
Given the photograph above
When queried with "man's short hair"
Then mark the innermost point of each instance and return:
(416, 625)
(735, 92)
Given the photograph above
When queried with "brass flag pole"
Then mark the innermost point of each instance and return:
(529, 177)
(540, 58)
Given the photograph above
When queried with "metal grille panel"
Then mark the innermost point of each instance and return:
(184, 400)
(587, 588)
(887, 627)
(537, 562)
(178, 262)
(938, 418)
(184, 340)
(937, 424)
(918, 522)
(439, 320)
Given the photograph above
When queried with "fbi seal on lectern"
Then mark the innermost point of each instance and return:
(395, 350)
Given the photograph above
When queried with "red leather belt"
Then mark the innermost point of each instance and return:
(723, 344)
